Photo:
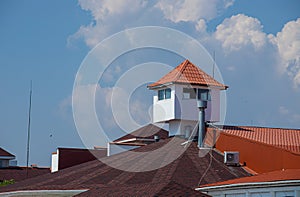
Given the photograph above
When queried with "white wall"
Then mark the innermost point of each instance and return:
(178, 127)
(54, 162)
(184, 109)
(164, 110)
(113, 149)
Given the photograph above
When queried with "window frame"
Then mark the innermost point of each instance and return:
(164, 94)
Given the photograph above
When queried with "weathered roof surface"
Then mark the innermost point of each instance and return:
(288, 139)
(20, 173)
(185, 170)
(159, 189)
(5, 153)
(148, 132)
(187, 72)
(282, 175)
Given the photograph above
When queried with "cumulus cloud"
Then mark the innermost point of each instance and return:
(196, 11)
(239, 31)
(288, 44)
(192, 10)
(108, 16)
(106, 8)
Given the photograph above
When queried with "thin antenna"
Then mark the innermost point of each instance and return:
(213, 75)
(28, 129)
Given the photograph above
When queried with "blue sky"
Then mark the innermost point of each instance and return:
(256, 44)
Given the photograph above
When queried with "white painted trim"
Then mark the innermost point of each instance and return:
(134, 139)
(250, 185)
(7, 157)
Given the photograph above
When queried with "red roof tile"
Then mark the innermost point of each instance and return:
(187, 72)
(282, 175)
(5, 153)
(288, 139)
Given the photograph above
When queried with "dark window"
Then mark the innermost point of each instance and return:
(164, 94)
(168, 93)
(204, 95)
(161, 94)
(189, 93)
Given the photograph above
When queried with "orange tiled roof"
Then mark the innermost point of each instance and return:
(288, 139)
(282, 175)
(187, 72)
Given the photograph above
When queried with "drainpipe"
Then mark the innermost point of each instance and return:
(202, 105)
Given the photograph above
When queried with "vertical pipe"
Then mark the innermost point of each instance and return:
(202, 132)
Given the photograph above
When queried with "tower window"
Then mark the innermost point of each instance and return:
(204, 95)
(189, 93)
(164, 94)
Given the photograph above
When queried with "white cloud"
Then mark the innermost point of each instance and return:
(191, 10)
(196, 11)
(108, 17)
(288, 44)
(101, 9)
(240, 31)
(201, 26)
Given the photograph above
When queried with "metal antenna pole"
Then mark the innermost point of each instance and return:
(213, 75)
(28, 129)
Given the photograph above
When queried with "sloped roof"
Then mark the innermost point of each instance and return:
(282, 175)
(188, 73)
(5, 153)
(161, 189)
(20, 173)
(186, 170)
(147, 132)
(288, 139)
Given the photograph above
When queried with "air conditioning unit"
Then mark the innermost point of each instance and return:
(232, 158)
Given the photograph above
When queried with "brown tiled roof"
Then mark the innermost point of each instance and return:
(5, 153)
(188, 73)
(158, 189)
(20, 173)
(148, 132)
(282, 175)
(288, 139)
(186, 170)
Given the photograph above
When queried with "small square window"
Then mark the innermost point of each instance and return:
(189, 93)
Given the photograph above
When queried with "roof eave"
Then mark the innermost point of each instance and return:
(249, 185)
(223, 87)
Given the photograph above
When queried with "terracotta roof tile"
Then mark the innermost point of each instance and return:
(187, 72)
(282, 175)
(288, 139)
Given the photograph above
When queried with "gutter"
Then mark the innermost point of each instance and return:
(249, 185)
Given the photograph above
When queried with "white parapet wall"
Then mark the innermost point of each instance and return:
(54, 162)
(113, 149)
